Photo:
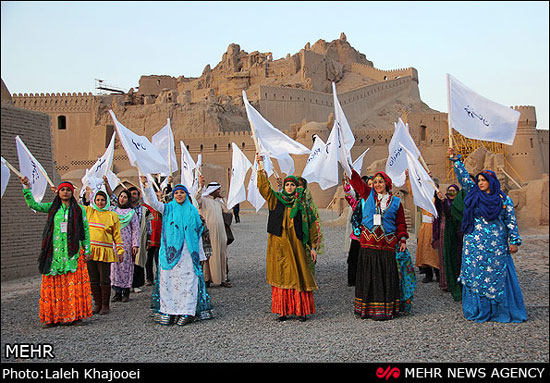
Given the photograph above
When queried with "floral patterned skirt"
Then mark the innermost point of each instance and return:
(65, 298)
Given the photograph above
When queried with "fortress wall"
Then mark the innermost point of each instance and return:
(384, 75)
(71, 119)
(21, 227)
(285, 106)
(544, 145)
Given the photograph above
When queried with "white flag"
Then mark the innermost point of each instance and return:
(102, 167)
(254, 196)
(31, 168)
(396, 164)
(314, 165)
(477, 117)
(358, 163)
(347, 139)
(239, 167)
(196, 174)
(187, 166)
(421, 183)
(329, 176)
(141, 152)
(272, 141)
(338, 147)
(163, 140)
(5, 175)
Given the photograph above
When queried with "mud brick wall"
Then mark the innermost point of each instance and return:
(21, 227)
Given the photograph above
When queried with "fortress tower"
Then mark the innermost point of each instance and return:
(525, 154)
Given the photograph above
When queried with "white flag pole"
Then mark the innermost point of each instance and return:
(449, 111)
(46, 176)
(170, 147)
(10, 166)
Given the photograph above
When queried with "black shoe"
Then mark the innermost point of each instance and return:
(429, 275)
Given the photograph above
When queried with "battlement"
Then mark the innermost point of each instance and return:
(51, 101)
(528, 117)
(384, 75)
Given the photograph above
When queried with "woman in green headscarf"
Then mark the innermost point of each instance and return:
(291, 227)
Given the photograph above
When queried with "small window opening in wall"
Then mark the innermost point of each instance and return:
(422, 132)
(109, 129)
(61, 122)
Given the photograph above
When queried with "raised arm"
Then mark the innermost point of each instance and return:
(359, 185)
(149, 196)
(460, 170)
(29, 198)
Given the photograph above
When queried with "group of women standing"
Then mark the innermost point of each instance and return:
(472, 240)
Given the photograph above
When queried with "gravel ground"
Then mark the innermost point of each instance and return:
(245, 330)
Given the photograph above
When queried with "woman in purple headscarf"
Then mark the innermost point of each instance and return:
(491, 290)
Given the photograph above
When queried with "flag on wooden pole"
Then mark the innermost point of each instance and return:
(31, 168)
(187, 166)
(272, 141)
(396, 164)
(422, 186)
(163, 140)
(477, 117)
(239, 167)
(5, 176)
(141, 152)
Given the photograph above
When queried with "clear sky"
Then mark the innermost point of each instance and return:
(498, 49)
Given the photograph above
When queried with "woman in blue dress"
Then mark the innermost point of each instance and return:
(491, 290)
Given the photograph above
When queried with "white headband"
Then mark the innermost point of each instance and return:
(211, 188)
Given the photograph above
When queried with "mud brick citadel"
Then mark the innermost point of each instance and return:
(294, 94)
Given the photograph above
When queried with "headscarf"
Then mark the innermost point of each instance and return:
(181, 224)
(180, 187)
(480, 203)
(456, 187)
(107, 205)
(75, 230)
(125, 218)
(386, 178)
(297, 203)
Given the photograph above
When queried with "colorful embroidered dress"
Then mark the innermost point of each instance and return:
(491, 290)
(385, 279)
(65, 292)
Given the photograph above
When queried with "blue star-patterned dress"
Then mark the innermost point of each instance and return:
(491, 289)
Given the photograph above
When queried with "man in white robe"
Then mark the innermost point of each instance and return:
(211, 207)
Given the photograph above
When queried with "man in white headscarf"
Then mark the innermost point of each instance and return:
(211, 207)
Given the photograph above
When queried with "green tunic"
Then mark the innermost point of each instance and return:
(61, 262)
(287, 266)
